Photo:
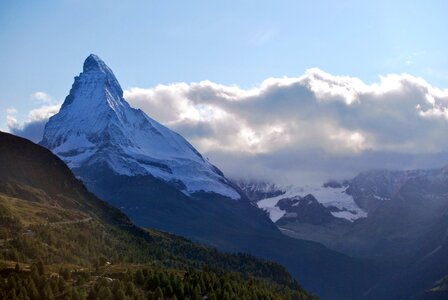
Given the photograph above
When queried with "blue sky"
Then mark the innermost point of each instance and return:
(43, 43)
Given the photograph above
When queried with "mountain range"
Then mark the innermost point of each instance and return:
(380, 235)
(160, 181)
(397, 217)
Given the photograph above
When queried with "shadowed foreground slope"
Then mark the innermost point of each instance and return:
(67, 242)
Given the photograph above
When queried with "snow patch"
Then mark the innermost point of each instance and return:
(380, 198)
(327, 196)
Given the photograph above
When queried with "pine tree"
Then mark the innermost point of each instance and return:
(158, 294)
(196, 293)
(32, 289)
(104, 293)
(75, 294)
(61, 284)
(40, 268)
(139, 278)
(130, 289)
(119, 295)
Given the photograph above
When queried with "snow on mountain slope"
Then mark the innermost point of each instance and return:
(96, 126)
(342, 204)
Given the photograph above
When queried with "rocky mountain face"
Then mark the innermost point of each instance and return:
(305, 210)
(402, 207)
(332, 198)
(370, 189)
(258, 190)
(160, 181)
(408, 220)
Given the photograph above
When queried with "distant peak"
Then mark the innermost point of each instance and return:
(94, 63)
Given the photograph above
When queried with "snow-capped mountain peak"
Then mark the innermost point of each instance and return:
(97, 127)
(94, 63)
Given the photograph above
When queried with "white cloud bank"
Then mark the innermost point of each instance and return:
(308, 128)
(33, 127)
(43, 97)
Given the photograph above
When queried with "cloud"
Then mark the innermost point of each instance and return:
(43, 97)
(33, 127)
(304, 129)
(11, 111)
(309, 127)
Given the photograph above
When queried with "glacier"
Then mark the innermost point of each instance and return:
(327, 196)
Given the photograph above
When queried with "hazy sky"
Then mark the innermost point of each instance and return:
(236, 46)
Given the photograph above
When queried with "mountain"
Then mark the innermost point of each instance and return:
(159, 180)
(150, 172)
(332, 197)
(403, 223)
(398, 209)
(408, 222)
(66, 243)
(424, 275)
(304, 209)
(96, 128)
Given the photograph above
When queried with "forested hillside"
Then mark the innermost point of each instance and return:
(58, 241)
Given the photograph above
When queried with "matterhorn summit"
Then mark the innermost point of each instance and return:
(97, 129)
